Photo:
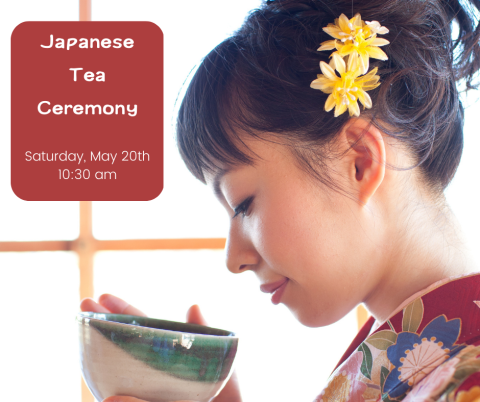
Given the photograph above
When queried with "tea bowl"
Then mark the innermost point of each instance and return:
(154, 360)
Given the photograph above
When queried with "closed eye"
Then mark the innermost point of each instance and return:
(243, 207)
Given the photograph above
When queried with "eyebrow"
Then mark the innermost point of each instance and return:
(216, 181)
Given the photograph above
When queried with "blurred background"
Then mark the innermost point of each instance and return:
(180, 260)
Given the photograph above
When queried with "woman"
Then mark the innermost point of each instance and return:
(331, 209)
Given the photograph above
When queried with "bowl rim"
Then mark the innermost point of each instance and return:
(83, 316)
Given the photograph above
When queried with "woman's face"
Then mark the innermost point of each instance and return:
(293, 231)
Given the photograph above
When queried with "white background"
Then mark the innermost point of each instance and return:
(280, 360)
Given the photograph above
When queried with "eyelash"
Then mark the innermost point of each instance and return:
(243, 207)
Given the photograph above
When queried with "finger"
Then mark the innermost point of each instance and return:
(122, 399)
(89, 304)
(231, 391)
(118, 306)
(194, 316)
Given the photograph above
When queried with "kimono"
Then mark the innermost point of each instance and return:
(428, 350)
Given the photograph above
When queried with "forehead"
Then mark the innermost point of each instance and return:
(266, 155)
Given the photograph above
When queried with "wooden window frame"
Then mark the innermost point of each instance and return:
(86, 245)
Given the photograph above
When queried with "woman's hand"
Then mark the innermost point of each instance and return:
(111, 304)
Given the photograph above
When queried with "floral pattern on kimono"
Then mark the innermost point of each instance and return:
(429, 351)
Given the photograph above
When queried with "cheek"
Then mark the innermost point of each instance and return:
(307, 233)
(317, 244)
(299, 235)
(281, 230)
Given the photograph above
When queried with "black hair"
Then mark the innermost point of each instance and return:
(258, 82)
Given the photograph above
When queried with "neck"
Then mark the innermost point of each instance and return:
(432, 249)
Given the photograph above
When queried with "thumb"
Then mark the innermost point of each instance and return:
(194, 316)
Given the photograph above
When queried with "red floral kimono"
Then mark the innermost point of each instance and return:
(427, 351)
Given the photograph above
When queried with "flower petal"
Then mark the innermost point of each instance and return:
(377, 28)
(352, 63)
(373, 24)
(376, 53)
(333, 31)
(332, 62)
(339, 45)
(369, 41)
(383, 30)
(369, 84)
(361, 97)
(357, 20)
(330, 103)
(364, 62)
(328, 71)
(323, 84)
(339, 109)
(367, 32)
(365, 99)
(353, 109)
(370, 74)
(346, 50)
(368, 81)
(379, 42)
(343, 23)
(339, 63)
(327, 45)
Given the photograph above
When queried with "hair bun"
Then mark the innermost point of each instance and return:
(465, 48)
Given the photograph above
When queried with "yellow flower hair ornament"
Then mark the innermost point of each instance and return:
(355, 41)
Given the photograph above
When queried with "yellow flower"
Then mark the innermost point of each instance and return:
(348, 88)
(344, 29)
(365, 48)
(355, 36)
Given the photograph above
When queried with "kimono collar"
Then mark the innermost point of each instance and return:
(437, 326)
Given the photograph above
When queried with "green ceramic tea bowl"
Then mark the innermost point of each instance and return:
(154, 360)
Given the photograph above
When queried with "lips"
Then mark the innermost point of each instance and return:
(276, 288)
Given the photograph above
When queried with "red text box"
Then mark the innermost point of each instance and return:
(87, 111)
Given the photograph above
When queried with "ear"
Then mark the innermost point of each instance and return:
(366, 157)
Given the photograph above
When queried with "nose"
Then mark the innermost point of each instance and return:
(241, 254)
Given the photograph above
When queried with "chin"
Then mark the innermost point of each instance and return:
(315, 319)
